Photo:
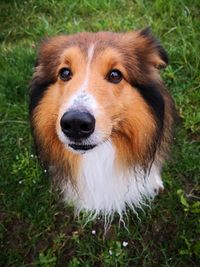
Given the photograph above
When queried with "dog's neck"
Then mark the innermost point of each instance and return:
(103, 189)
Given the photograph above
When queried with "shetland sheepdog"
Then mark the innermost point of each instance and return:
(102, 118)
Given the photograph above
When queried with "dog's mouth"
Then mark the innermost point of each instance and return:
(82, 147)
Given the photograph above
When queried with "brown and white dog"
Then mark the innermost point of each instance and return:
(102, 118)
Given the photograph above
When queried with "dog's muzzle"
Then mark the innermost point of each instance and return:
(78, 126)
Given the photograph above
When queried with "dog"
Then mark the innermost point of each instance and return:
(102, 119)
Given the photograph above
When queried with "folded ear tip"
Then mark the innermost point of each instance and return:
(163, 55)
(161, 65)
(146, 31)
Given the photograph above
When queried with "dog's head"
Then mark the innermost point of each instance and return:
(92, 87)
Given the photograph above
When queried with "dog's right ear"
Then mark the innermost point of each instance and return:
(45, 68)
(50, 49)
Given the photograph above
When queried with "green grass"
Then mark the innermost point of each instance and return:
(36, 228)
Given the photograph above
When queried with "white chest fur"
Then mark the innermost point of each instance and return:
(101, 189)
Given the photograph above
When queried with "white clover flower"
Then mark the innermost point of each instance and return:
(125, 244)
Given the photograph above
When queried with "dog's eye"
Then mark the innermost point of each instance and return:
(114, 76)
(65, 74)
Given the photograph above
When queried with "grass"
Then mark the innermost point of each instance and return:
(36, 229)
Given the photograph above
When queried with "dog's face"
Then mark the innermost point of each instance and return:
(93, 87)
(90, 103)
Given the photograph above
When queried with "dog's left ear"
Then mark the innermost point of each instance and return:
(148, 49)
(157, 54)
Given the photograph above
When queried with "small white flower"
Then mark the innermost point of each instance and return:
(110, 251)
(20, 182)
(45, 170)
(20, 139)
(32, 156)
(125, 244)
(93, 232)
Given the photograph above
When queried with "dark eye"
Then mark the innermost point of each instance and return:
(114, 76)
(65, 74)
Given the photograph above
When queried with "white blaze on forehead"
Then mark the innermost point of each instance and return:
(87, 74)
(90, 53)
(83, 99)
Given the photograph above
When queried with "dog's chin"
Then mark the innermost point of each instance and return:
(81, 146)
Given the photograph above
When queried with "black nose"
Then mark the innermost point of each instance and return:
(77, 125)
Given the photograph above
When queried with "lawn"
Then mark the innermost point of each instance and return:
(36, 228)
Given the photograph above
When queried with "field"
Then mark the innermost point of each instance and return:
(36, 228)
